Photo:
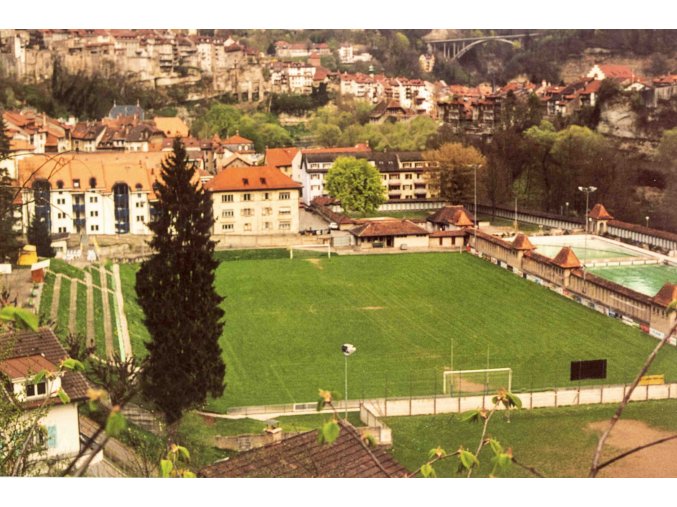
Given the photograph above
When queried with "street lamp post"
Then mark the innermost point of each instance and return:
(647, 221)
(588, 191)
(347, 349)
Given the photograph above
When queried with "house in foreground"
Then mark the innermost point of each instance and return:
(303, 456)
(27, 353)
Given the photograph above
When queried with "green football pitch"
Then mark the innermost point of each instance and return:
(410, 316)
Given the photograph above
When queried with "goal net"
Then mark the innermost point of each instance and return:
(473, 382)
(305, 251)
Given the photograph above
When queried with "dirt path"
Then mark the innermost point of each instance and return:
(107, 328)
(73, 308)
(122, 318)
(54, 310)
(656, 461)
(91, 338)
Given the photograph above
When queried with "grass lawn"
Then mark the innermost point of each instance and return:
(98, 324)
(59, 266)
(46, 296)
(556, 442)
(138, 334)
(64, 306)
(114, 327)
(286, 321)
(81, 315)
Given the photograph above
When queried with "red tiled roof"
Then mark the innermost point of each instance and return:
(521, 242)
(45, 343)
(389, 227)
(280, 157)
(250, 178)
(566, 258)
(667, 295)
(599, 212)
(455, 233)
(303, 456)
(237, 139)
(455, 215)
(25, 367)
(616, 71)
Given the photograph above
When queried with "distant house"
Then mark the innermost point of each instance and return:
(389, 233)
(127, 110)
(281, 158)
(253, 201)
(171, 126)
(302, 456)
(26, 353)
(238, 144)
(610, 71)
(450, 218)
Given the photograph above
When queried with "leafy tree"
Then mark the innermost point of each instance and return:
(176, 292)
(356, 183)
(38, 235)
(9, 242)
(454, 169)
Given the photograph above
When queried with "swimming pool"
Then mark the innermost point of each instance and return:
(645, 279)
(597, 248)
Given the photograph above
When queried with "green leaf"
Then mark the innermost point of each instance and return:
(72, 365)
(116, 423)
(437, 452)
(22, 318)
(65, 399)
(467, 459)
(329, 433)
(183, 451)
(187, 474)
(166, 467)
(472, 416)
(39, 377)
(515, 401)
(495, 445)
(428, 471)
(320, 404)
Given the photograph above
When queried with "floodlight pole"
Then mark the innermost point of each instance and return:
(647, 221)
(347, 350)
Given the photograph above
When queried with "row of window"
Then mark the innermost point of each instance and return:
(250, 212)
(247, 227)
(267, 196)
(407, 176)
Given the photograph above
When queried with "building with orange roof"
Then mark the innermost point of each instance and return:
(172, 126)
(92, 193)
(604, 71)
(254, 201)
(281, 158)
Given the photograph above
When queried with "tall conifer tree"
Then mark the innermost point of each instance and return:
(176, 291)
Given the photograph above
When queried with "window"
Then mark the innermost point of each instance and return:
(227, 213)
(62, 229)
(60, 215)
(408, 176)
(227, 198)
(94, 213)
(59, 184)
(267, 225)
(315, 188)
(140, 204)
(51, 437)
(285, 226)
(76, 183)
(139, 218)
(247, 212)
(39, 389)
(226, 227)
(314, 176)
(92, 182)
(93, 199)
(284, 196)
(93, 228)
(267, 212)
(247, 227)
(285, 211)
(246, 197)
(266, 196)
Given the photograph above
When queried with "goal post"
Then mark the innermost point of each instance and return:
(470, 382)
(321, 249)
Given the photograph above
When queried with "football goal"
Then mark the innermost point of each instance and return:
(469, 382)
(320, 249)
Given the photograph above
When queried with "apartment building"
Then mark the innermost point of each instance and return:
(254, 201)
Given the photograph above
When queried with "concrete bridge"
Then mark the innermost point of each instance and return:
(453, 49)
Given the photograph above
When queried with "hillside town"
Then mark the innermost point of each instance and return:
(178, 289)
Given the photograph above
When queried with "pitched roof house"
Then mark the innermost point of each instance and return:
(303, 456)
